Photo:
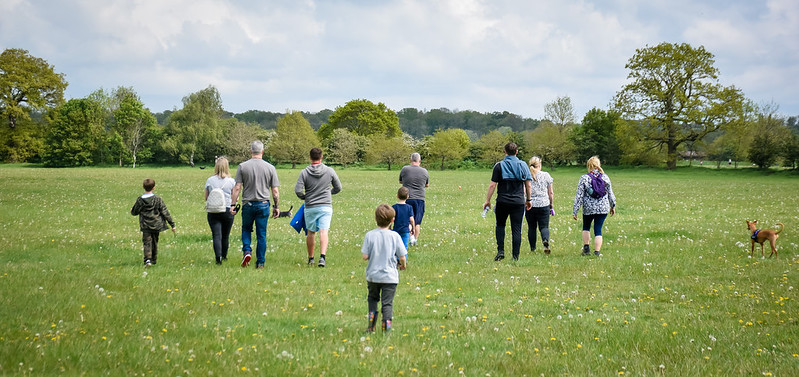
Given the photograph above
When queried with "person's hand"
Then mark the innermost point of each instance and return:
(174, 230)
(487, 204)
(528, 205)
(275, 212)
(613, 211)
(402, 267)
(574, 217)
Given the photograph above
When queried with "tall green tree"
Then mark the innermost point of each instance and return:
(769, 137)
(343, 147)
(448, 145)
(293, 139)
(76, 135)
(391, 151)
(491, 147)
(560, 112)
(597, 136)
(552, 144)
(27, 83)
(137, 127)
(675, 94)
(238, 136)
(193, 132)
(362, 117)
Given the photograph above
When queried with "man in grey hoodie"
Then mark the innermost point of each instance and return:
(316, 185)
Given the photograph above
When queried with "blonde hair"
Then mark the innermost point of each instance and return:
(593, 164)
(535, 166)
(221, 168)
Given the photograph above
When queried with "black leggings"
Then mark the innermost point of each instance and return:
(221, 224)
(598, 220)
(537, 217)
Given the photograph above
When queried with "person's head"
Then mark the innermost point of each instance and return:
(384, 215)
(256, 148)
(416, 159)
(316, 154)
(222, 167)
(148, 184)
(402, 193)
(535, 166)
(511, 149)
(594, 164)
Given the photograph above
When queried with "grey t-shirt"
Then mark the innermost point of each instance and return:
(257, 178)
(383, 246)
(415, 178)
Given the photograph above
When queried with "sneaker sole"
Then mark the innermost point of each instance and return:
(246, 261)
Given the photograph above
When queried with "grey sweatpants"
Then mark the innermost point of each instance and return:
(383, 293)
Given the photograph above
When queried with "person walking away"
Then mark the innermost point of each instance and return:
(153, 216)
(316, 185)
(416, 179)
(595, 196)
(542, 200)
(384, 250)
(511, 180)
(403, 220)
(255, 178)
(220, 216)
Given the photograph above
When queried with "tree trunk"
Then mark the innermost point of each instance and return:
(671, 147)
(442, 163)
(12, 121)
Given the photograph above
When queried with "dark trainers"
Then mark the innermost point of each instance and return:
(586, 251)
(147, 263)
(546, 248)
(499, 257)
(321, 262)
(597, 253)
(310, 261)
(246, 260)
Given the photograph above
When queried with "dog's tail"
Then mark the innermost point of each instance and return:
(291, 207)
(781, 228)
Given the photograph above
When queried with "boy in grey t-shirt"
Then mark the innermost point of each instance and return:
(384, 250)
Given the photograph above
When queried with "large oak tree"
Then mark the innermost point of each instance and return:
(675, 96)
(26, 83)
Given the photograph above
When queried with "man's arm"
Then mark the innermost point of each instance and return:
(275, 201)
(528, 192)
(491, 187)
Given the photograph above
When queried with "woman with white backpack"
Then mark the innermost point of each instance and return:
(217, 203)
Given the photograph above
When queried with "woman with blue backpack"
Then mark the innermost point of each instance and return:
(595, 195)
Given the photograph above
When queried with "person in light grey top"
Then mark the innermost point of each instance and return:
(594, 209)
(255, 178)
(541, 199)
(384, 250)
(316, 185)
(416, 179)
(221, 223)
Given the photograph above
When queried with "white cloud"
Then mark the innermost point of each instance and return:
(513, 55)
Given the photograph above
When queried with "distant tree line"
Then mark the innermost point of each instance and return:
(672, 108)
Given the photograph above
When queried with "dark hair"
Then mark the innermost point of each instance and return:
(384, 214)
(402, 193)
(316, 154)
(511, 149)
(148, 184)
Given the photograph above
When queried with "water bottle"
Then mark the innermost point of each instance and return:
(552, 211)
(485, 210)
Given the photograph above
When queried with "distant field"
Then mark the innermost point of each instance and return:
(675, 293)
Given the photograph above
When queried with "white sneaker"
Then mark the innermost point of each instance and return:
(412, 240)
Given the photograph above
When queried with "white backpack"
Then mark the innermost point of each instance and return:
(216, 201)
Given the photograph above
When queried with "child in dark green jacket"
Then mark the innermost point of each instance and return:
(153, 217)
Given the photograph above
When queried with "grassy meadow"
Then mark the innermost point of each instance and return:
(675, 293)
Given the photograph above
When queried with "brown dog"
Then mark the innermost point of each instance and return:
(761, 235)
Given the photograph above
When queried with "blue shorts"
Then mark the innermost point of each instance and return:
(418, 209)
(318, 218)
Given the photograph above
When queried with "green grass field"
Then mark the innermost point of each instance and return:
(675, 293)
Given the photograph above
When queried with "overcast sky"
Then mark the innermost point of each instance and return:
(309, 55)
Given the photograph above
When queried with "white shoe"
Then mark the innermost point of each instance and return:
(412, 240)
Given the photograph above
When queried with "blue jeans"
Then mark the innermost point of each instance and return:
(258, 213)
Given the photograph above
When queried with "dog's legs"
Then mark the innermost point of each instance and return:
(773, 248)
(752, 252)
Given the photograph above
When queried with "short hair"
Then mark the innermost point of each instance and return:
(384, 214)
(222, 168)
(148, 184)
(415, 157)
(256, 147)
(316, 154)
(511, 149)
(402, 193)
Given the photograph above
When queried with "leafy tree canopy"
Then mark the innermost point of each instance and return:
(27, 82)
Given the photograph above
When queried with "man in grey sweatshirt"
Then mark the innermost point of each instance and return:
(316, 185)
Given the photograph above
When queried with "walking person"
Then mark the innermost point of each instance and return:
(316, 185)
(416, 179)
(542, 200)
(218, 203)
(255, 178)
(511, 180)
(595, 196)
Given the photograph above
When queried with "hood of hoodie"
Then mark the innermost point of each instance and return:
(316, 170)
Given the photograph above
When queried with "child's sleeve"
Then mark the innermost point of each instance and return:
(366, 248)
(136, 208)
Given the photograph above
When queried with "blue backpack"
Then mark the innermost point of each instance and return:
(597, 188)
